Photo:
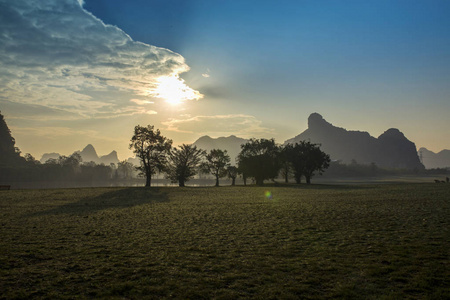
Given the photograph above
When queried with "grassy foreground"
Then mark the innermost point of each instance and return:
(371, 242)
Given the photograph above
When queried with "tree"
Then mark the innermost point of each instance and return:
(31, 160)
(125, 169)
(9, 154)
(286, 165)
(316, 160)
(306, 158)
(295, 155)
(183, 163)
(232, 173)
(216, 163)
(259, 159)
(151, 148)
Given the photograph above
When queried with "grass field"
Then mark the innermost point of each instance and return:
(319, 241)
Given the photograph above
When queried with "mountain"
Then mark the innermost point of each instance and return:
(88, 154)
(232, 144)
(47, 156)
(110, 158)
(134, 160)
(433, 160)
(390, 150)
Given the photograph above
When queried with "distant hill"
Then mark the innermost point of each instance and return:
(433, 160)
(87, 154)
(232, 144)
(390, 150)
(47, 156)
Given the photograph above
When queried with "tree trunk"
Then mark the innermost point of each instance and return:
(298, 179)
(286, 178)
(308, 179)
(259, 181)
(217, 180)
(148, 181)
(233, 181)
(180, 182)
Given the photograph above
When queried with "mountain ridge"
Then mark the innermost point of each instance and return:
(390, 150)
(88, 154)
(433, 160)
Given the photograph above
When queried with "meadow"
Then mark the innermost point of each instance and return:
(378, 241)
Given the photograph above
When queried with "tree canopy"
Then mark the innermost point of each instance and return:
(183, 163)
(305, 159)
(259, 159)
(216, 163)
(9, 154)
(151, 148)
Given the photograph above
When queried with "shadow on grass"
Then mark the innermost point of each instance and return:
(318, 186)
(121, 198)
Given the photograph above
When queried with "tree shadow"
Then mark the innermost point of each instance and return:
(320, 186)
(121, 198)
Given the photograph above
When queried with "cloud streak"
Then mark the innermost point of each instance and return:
(217, 125)
(55, 54)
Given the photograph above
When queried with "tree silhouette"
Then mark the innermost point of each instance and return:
(286, 165)
(216, 163)
(152, 148)
(183, 163)
(9, 154)
(125, 169)
(232, 173)
(306, 158)
(259, 159)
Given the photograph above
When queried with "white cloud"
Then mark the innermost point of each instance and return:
(206, 74)
(53, 53)
(238, 124)
(141, 102)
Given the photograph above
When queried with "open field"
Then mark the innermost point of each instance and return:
(386, 241)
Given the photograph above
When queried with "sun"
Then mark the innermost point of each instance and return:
(174, 90)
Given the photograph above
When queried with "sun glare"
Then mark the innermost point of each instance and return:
(174, 90)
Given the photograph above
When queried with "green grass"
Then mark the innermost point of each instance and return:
(369, 242)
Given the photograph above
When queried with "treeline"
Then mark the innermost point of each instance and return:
(258, 160)
(64, 169)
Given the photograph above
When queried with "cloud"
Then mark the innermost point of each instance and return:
(53, 53)
(56, 132)
(141, 102)
(206, 75)
(238, 124)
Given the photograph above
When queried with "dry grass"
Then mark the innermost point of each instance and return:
(377, 241)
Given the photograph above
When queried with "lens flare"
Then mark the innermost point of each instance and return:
(268, 194)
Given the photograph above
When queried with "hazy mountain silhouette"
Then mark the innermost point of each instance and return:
(88, 154)
(433, 160)
(232, 144)
(109, 158)
(134, 160)
(390, 150)
(47, 156)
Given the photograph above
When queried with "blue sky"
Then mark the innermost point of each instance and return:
(261, 67)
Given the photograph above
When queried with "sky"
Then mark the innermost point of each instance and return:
(76, 72)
